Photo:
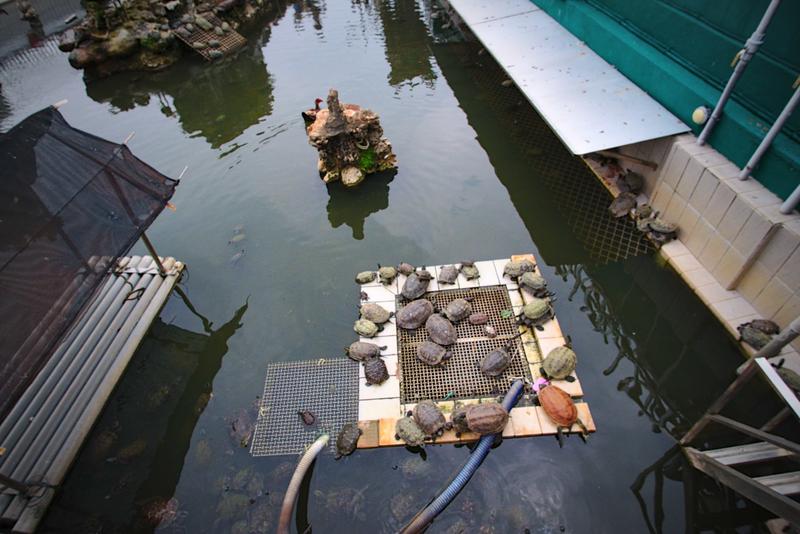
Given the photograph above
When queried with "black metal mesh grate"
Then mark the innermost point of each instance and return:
(326, 387)
(461, 376)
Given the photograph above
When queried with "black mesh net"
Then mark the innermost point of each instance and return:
(70, 205)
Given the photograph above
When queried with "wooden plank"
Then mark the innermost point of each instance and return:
(756, 433)
(779, 385)
(747, 454)
(783, 483)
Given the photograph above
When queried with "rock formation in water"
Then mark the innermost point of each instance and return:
(350, 142)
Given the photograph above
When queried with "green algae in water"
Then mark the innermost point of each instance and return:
(367, 161)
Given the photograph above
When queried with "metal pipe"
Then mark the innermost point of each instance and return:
(774, 347)
(744, 55)
(791, 203)
(771, 134)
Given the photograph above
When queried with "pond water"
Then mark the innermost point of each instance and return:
(473, 181)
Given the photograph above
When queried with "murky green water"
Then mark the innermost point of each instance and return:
(468, 186)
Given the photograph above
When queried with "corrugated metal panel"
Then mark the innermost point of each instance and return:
(586, 101)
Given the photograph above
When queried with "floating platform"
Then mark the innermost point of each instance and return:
(43, 433)
(230, 42)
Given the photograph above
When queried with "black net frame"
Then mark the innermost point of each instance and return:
(71, 204)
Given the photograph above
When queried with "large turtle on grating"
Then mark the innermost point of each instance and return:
(516, 268)
(765, 325)
(559, 364)
(469, 270)
(414, 314)
(440, 330)
(387, 274)
(375, 313)
(361, 350)
(486, 418)
(405, 268)
(432, 354)
(497, 361)
(416, 284)
(375, 371)
(347, 440)
(560, 408)
(366, 328)
(365, 277)
(622, 205)
(458, 309)
(753, 336)
(429, 418)
(448, 274)
(535, 284)
(535, 312)
(408, 430)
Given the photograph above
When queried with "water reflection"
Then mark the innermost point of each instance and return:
(132, 458)
(308, 6)
(352, 207)
(406, 39)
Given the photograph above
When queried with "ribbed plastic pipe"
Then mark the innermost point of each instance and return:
(297, 478)
(438, 505)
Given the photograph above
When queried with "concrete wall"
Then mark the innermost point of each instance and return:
(722, 222)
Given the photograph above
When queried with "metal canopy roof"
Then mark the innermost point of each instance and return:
(586, 101)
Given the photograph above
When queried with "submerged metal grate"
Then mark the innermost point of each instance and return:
(461, 377)
(326, 387)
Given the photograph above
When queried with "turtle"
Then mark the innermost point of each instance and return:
(622, 205)
(661, 226)
(365, 277)
(459, 420)
(361, 350)
(560, 408)
(347, 440)
(634, 181)
(478, 318)
(469, 270)
(491, 332)
(495, 362)
(535, 312)
(645, 211)
(387, 274)
(429, 418)
(440, 330)
(458, 309)
(432, 354)
(375, 313)
(414, 314)
(408, 430)
(405, 269)
(766, 326)
(416, 285)
(534, 283)
(515, 269)
(559, 364)
(448, 274)
(753, 336)
(375, 371)
(791, 378)
(486, 418)
(366, 328)
(307, 417)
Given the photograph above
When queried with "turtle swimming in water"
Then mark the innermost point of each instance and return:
(469, 270)
(386, 274)
(416, 285)
(495, 363)
(414, 314)
(448, 274)
(486, 418)
(347, 440)
(560, 408)
(440, 330)
(375, 313)
(407, 430)
(429, 418)
(458, 309)
(535, 312)
(361, 350)
(366, 328)
(375, 371)
(559, 364)
(622, 205)
(432, 354)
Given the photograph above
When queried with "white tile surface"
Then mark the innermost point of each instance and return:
(488, 273)
(379, 294)
(390, 389)
(369, 410)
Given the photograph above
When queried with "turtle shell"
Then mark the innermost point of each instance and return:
(415, 286)
(634, 181)
(448, 274)
(478, 318)
(559, 363)
(440, 330)
(387, 274)
(429, 418)
(365, 277)
(766, 326)
(414, 314)
(469, 270)
(622, 205)
(558, 405)
(644, 211)
(458, 309)
(661, 226)
(375, 313)
(365, 328)
(515, 269)
(487, 418)
(752, 336)
(533, 282)
(375, 371)
(495, 362)
(536, 309)
(459, 419)
(408, 430)
(791, 378)
(361, 350)
(347, 439)
(430, 353)
(405, 269)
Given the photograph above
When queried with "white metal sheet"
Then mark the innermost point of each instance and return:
(478, 11)
(585, 100)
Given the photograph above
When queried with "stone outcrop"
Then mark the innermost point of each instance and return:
(350, 142)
